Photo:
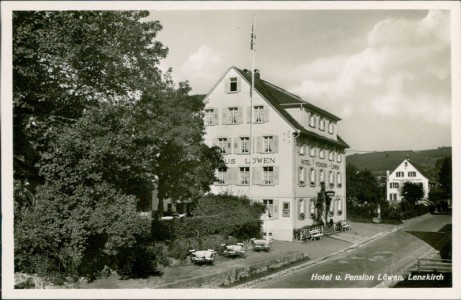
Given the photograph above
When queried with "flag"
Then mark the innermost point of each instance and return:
(253, 37)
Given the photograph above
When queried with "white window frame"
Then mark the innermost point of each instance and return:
(322, 124)
(331, 179)
(312, 177)
(268, 144)
(331, 156)
(269, 203)
(339, 179)
(322, 154)
(221, 176)
(233, 81)
(339, 158)
(244, 175)
(301, 176)
(394, 185)
(331, 127)
(268, 175)
(209, 116)
(312, 151)
(322, 175)
(411, 174)
(232, 117)
(244, 144)
(312, 120)
(399, 174)
(258, 114)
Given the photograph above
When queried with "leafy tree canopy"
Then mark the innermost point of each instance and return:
(362, 186)
(412, 192)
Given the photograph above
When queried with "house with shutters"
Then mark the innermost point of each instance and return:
(296, 147)
(408, 171)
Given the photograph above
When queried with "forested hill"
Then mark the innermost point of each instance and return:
(379, 162)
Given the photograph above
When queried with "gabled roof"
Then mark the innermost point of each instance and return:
(419, 168)
(279, 98)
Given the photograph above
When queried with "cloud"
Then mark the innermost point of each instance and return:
(403, 70)
(202, 67)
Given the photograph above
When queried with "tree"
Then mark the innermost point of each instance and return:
(412, 192)
(66, 61)
(445, 178)
(362, 186)
(115, 128)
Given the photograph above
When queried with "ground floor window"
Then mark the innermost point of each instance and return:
(268, 175)
(271, 208)
(339, 204)
(286, 209)
(302, 209)
(393, 196)
(222, 176)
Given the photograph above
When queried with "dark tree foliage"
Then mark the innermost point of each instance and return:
(446, 178)
(412, 192)
(362, 186)
(66, 61)
(97, 126)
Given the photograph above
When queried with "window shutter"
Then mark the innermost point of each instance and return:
(232, 175)
(276, 175)
(276, 209)
(226, 176)
(227, 85)
(275, 139)
(266, 113)
(256, 175)
(239, 84)
(248, 114)
(215, 117)
(259, 144)
(225, 117)
(229, 146)
(236, 145)
(240, 115)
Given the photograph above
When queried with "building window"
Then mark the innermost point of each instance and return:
(322, 124)
(301, 176)
(286, 209)
(233, 87)
(271, 208)
(302, 209)
(399, 174)
(411, 174)
(222, 176)
(312, 208)
(331, 211)
(209, 116)
(331, 179)
(339, 207)
(331, 128)
(322, 176)
(393, 197)
(312, 151)
(268, 175)
(312, 120)
(322, 154)
(268, 144)
(244, 175)
(312, 176)
(259, 114)
(222, 144)
(302, 149)
(394, 185)
(339, 179)
(331, 156)
(244, 145)
(233, 115)
(339, 158)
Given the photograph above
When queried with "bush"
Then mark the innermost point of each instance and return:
(224, 215)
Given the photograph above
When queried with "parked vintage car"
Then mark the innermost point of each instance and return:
(202, 256)
(237, 250)
(261, 244)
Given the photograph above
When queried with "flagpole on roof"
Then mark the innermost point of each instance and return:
(252, 47)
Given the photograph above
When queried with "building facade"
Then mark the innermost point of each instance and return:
(407, 171)
(294, 148)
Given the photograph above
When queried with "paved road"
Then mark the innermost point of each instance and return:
(372, 263)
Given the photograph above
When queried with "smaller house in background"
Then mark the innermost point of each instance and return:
(408, 171)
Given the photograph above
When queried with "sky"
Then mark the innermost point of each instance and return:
(385, 73)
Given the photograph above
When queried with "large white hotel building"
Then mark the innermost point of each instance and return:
(295, 148)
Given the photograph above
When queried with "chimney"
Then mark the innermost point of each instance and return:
(257, 74)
